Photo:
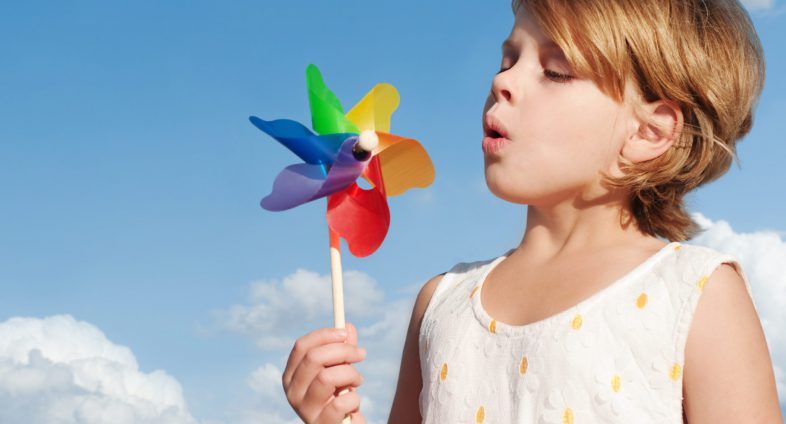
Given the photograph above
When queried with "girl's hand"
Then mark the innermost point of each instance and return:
(318, 370)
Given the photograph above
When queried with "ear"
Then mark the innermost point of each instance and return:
(656, 131)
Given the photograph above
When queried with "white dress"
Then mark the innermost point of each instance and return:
(615, 357)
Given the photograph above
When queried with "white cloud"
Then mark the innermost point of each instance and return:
(266, 381)
(762, 256)
(59, 370)
(269, 404)
(279, 311)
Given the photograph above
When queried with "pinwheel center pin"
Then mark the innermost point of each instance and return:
(367, 142)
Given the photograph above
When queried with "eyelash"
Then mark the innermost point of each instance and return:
(554, 76)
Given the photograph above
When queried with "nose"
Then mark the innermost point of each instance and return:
(501, 87)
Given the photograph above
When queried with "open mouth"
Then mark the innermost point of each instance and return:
(493, 134)
(493, 128)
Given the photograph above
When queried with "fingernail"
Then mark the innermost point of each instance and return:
(341, 333)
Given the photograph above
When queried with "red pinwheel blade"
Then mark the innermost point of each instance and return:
(361, 217)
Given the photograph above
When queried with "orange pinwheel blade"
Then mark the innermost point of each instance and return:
(404, 164)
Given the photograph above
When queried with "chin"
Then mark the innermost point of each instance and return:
(505, 189)
(535, 193)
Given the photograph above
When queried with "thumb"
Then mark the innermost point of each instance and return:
(352, 334)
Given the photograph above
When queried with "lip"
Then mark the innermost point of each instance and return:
(492, 146)
(493, 125)
(495, 136)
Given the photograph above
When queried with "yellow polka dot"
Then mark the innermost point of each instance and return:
(523, 365)
(702, 282)
(473, 292)
(677, 248)
(675, 372)
(576, 323)
(443, 373)
(480, 415)
(641, 301)
(567, 416)
(493, 326)
(616, 382)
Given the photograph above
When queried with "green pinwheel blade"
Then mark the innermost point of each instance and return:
(327, 115)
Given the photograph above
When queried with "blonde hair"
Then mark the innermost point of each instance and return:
(703, 55)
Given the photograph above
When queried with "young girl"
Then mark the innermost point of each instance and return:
(605, 113)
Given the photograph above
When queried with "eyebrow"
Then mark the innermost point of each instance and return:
(547, 45)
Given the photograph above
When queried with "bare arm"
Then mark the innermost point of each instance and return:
(405, 409)
(728, 373)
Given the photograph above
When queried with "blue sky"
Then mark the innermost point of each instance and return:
(131, 176)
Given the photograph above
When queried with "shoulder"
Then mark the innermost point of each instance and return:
(694, 266)
(436, 286)
(726, 355)
(724, 303)
(405, 401)
(719, 292)
(424, 297)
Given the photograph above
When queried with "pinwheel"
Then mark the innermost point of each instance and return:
(347, 147)
(333, 160)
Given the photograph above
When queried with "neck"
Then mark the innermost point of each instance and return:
(577, 227)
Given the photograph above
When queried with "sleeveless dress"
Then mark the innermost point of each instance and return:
(615, 357)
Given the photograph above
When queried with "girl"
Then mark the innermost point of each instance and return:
(604, 114)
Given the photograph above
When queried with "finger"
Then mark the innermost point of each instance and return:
(352, 334)
(338, 408)
(304, 344)
(315, 361)
(357, 418)
(328, 381)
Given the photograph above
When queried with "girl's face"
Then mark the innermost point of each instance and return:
(547, 132)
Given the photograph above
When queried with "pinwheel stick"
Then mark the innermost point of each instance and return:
(338, 293)
(338, 280)
(367, 142)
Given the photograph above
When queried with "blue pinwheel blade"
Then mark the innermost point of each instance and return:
(312, 148)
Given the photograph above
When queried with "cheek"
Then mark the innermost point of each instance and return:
(562, 142)
(581, 123)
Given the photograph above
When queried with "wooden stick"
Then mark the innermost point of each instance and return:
(338, 282)
(338, 292)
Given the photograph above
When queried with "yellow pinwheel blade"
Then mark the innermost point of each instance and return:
(404, 163)
(373, 111)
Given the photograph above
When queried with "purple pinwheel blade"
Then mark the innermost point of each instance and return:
(312, 148)
(302, 183)
(295, 185)
(344, 171)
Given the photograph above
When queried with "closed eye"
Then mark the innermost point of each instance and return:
(556, 76)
